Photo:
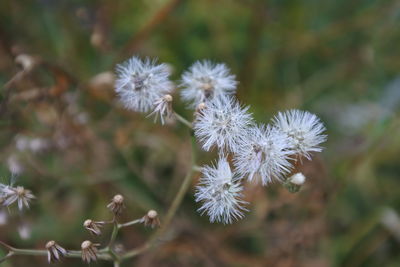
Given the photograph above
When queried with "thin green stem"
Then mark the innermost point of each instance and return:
(113, 234)
(9, 255)
(170, 213)
(122, 225)
(183, 120)
(43, 252)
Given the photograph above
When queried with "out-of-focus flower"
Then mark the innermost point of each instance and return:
(3, 214)
(35, 145)
(14, 165)
(264, 153)
(162, 108)
(222, 123)
(205, 81)
(220, 192)
(55, 252)
(116, 205)
(93, 227)
(16, 194)
(304, 130)
(140, 83)
(151, 219)
(25, 231)
(89, 251)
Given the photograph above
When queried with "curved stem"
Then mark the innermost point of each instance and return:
(171, 211)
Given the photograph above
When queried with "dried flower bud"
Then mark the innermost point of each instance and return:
(93, 226)
(89, 251)
(55, 252)
(16, 194)
(162, 108)
(116, 205)
(199, 109)
(151, 219)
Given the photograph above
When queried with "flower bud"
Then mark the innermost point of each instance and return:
(151, 219)
(297, 178)
(55, 252)
(116, 205)
(93, 226)
(89, 251)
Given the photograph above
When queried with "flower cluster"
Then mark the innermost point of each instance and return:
(260, 152)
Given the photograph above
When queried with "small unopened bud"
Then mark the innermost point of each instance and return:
(151, 219)
(297, 178)
(89, 251)
(93, 226)
(116, 205)
(55, 252)
(294, 182)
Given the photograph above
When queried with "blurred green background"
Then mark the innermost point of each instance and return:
(65, 135)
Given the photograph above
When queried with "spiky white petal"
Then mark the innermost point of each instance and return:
(222, 123)
(264, 153)
(205, 81)
(304, 130)
(219, 191)
(140, 83)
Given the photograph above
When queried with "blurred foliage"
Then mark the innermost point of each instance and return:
(338, 59)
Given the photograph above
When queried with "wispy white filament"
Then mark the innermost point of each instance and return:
(263, 154)
(140, 83)
(219, 191)
(205, 81)
(222, 123)
(303, 129)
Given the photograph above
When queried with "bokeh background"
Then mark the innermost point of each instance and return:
(65, 136)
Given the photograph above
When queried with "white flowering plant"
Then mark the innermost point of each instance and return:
(248, 151)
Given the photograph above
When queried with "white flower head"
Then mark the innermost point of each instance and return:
(222, 123)
(219, 190)
(162, 108)
(304, 130)
(140, 83)
(264, 153)
(205, 81)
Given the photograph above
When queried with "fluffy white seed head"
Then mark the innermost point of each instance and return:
(206, 80)
(222, 123)
(304, 131)
(220, 192)
(263, 154)
(140, 83)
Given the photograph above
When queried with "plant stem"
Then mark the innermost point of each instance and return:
(183, 120)
(122, 225)
(43, 252)
(171, 211)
